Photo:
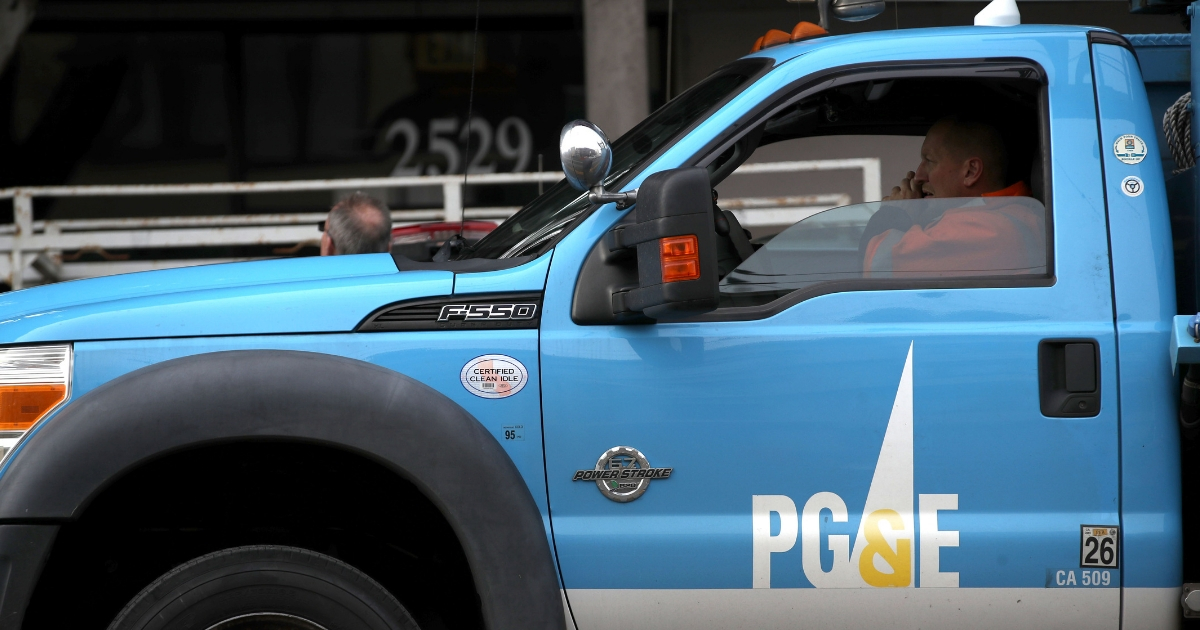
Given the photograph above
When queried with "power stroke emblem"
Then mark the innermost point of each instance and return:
(483, 312)
(622, 474)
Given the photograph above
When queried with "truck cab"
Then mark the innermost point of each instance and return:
(620, 408)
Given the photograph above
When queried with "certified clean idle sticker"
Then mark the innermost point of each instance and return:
(1132, 186)
(493, 376)
(1099, 546)
(1130, 149)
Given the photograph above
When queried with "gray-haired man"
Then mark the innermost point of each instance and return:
(357, 224)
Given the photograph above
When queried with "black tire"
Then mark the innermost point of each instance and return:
(264, 588)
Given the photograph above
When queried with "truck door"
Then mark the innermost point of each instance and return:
(848, 451)
(1143, 277)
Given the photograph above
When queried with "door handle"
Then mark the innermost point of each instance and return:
(1069, 377)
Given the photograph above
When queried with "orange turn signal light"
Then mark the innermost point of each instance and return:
(804, 30)
(776, 37)
(680, 258)
(21, 406)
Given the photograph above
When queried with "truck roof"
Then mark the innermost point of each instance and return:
(786, 52)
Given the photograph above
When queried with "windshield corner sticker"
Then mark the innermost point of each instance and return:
(622, 474)
(883, 554)
(493, 376)
(1130, 149)
(1132, 186)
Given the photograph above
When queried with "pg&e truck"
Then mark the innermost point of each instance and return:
(618, 408)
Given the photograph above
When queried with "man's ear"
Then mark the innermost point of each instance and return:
(972, 172)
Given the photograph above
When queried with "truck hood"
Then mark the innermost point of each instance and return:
(297, 295)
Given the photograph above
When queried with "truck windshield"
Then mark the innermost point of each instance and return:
(534, 228)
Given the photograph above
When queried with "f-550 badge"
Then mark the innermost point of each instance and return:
(622, 474)
(481, 312)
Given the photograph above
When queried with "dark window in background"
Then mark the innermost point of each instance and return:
(86, 108)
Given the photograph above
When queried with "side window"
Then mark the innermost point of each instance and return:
(963, 201)
(915, 239)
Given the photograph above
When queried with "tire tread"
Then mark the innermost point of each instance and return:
(328, 565)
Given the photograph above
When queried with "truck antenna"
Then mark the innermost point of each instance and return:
(462, 220)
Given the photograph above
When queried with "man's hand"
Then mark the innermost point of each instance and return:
(908, 189)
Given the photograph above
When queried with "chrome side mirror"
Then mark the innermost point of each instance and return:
(586, 154)
(848, 10)
(857, 10)
(586, 160)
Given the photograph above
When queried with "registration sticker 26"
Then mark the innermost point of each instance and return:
(1099, 546)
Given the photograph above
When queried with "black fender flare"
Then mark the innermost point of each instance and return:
(419, 433)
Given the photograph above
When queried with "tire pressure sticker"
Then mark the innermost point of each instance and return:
(1099, 546)
(493, 376)
(1132, 186)
(1130, 149)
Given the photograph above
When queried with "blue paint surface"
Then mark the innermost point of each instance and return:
(297, 295)
(530, 276)
(1144, 286)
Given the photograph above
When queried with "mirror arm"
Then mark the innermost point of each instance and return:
(623, 200)
(823, 12)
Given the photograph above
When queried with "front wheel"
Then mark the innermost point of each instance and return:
(264, 588)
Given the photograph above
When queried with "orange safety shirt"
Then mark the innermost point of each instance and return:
(996, 237)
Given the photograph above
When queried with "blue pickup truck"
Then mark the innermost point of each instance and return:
(619, 409)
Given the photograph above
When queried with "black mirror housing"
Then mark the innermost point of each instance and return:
(670, 204)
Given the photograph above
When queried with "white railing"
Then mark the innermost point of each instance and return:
(32, 250)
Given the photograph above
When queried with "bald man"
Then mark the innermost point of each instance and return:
(996, 235)
(358, 224)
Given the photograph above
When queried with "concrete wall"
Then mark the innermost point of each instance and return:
(615, 64)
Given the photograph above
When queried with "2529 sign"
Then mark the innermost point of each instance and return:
(510, 142)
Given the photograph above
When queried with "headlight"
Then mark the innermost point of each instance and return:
(34, 380)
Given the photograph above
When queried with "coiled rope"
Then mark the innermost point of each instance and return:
(1177, 126)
